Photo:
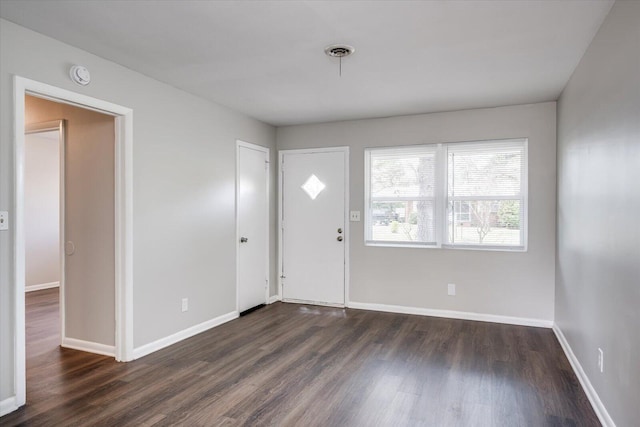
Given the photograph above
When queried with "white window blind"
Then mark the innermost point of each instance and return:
(459, 195)
(485, 197)
(402, 195)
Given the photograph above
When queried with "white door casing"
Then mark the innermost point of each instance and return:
(252, 223)
(314, 226)
(123, 220)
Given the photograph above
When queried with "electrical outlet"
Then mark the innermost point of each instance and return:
(354, 216)
(451, 289)
(185, 304)
(601, 360)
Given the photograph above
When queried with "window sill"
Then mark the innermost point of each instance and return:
(453, 247)
(401, 245)
(487, 248)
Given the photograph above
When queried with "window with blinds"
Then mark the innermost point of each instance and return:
(402, 195)
(459, 195)
(485, 197)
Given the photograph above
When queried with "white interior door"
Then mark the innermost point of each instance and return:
(253, 225)
(313, 226)
(88, 293)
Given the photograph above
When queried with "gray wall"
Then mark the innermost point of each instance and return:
(598, 266)
(517, 284)
(184, 177)
(42, 208)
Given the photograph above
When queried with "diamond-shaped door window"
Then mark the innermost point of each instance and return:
(313, 186)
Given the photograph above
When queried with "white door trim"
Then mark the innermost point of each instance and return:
(123, 218)
(281, 154)
(266, 151)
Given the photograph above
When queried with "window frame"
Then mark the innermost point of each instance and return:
(442, 200)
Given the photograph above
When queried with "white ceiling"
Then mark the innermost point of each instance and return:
(266, 59)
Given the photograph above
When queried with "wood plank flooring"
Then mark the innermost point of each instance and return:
(297, 365)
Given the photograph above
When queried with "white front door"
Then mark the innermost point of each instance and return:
(313, 225)
(252, 225)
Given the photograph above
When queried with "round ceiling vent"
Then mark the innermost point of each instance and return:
(339, 50)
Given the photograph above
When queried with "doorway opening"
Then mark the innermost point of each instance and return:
(43, 174)
(84, 186)
(43, 195)
(122, 188)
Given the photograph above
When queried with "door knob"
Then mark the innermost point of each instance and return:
(243, 240)
(339, 239)
(340, 230)
(69, 248)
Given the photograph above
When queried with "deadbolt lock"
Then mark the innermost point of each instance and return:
(339, 230)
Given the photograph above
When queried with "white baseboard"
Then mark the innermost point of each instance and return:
(594, 399)
(8, 405)
(89, 347)
(273, 298)
(451, 314)
(41, 286)
(184, 334)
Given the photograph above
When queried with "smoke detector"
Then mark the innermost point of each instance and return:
(80, 75)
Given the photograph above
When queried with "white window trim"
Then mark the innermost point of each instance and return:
(441, 198)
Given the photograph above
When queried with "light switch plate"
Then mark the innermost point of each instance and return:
(354, 216)
(4, 220)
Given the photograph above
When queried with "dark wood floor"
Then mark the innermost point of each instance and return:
(294, 365)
